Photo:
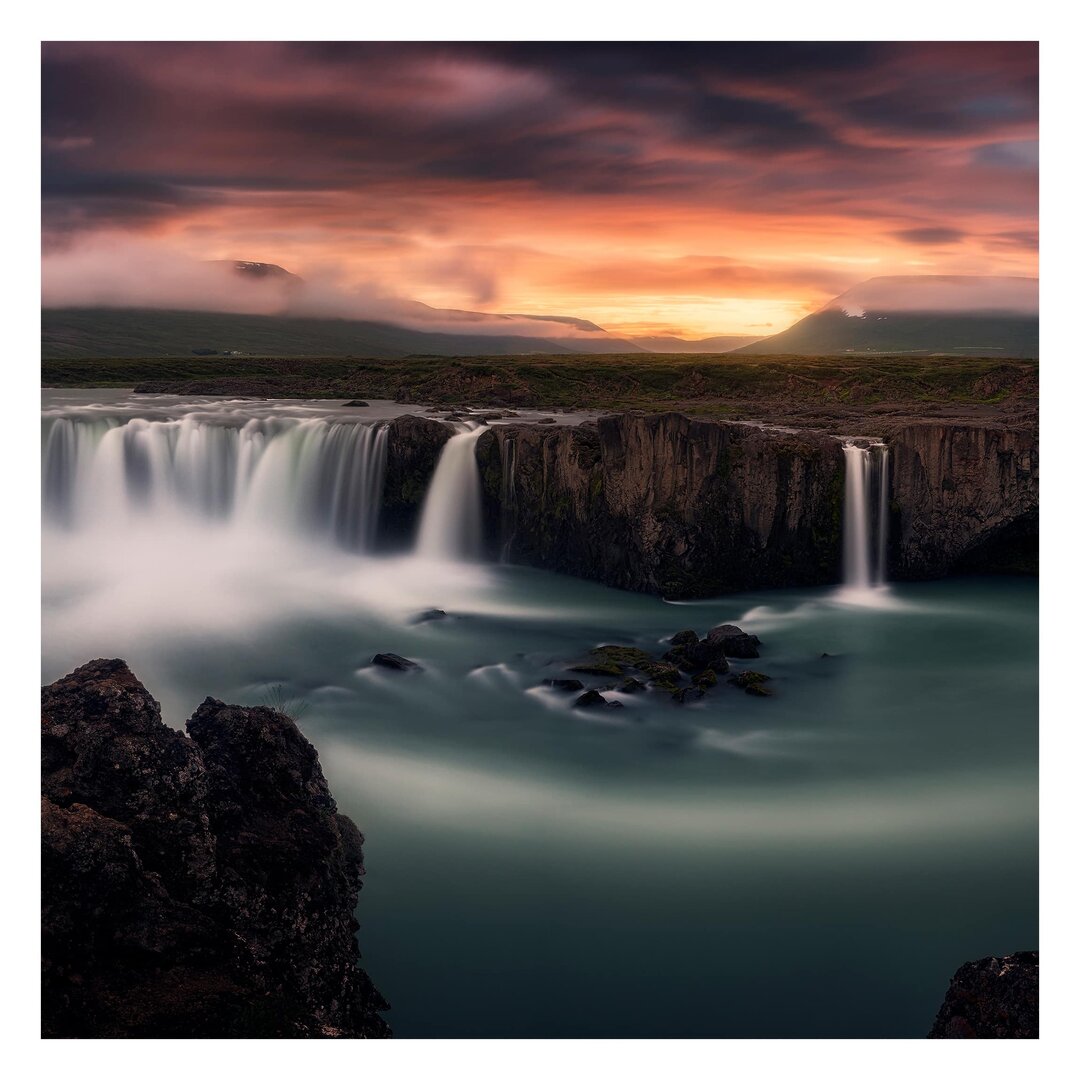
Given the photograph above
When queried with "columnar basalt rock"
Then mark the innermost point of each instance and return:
(413, 446)
(963, 496)
(668, 504)
(684, 507)
(192, 887)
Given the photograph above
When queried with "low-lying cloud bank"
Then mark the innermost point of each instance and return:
(121, 271)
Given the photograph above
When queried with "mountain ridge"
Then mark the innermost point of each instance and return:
(922, 314)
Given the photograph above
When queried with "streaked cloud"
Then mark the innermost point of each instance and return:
(569, 178)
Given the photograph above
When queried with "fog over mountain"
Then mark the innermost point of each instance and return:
(919, 314)
(133, 286)
(130, 274)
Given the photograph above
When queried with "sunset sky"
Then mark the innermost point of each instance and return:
(689, 189)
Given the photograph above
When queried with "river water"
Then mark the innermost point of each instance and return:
(815, 863)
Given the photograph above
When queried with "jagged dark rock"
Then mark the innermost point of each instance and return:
(964, 497)
(413, 446)
(593, 699)
(734, 641)
(687, 693)
(394, 662)
(431, 615)
(355, 404)
(698, 656)
(198, 887)
(752, 682)
(992, 998)
(567, 685)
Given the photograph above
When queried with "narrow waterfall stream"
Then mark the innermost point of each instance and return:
(866, 517)
(450, 526)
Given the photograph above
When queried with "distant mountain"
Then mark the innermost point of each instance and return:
(295, 329)
(258, 271)
(977, 316)
(722, 344)
(68, 333)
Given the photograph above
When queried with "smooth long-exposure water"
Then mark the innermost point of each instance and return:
(816, 863)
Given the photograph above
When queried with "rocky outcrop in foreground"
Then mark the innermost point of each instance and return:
(198, 886)
(993, 998)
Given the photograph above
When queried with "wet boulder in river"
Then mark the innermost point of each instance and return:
(593, 699)
(395, 662)
(567, 685)
(734, 641)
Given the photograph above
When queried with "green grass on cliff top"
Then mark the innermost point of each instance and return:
(699, 383)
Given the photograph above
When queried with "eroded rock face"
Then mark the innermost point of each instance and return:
(963, 496)
(993, 998)
(687, 508)
(667, 504)
(413, 446)
(192, 887)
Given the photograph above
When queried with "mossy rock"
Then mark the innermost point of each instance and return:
(669, 685)
(658, 670)
(705, 679)
(596, 667)
(618, 659)
(752, 682)
(625, 655)
(685, 694)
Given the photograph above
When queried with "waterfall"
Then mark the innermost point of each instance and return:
(866, 515)
(450, 520)
(311, 476)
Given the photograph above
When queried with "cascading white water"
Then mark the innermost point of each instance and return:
(312, 476)
(450, 526)
(866, 511)
(856, 517)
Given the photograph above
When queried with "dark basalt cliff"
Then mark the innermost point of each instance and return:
(691, 508)
(198, 886)
(687, 508)
(992, 998)
(667, 504)
(413, 445)
(963, 497)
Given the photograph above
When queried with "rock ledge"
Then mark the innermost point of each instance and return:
(198, 887)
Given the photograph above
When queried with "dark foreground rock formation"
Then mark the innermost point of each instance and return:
(993, 998)
(192, 887)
